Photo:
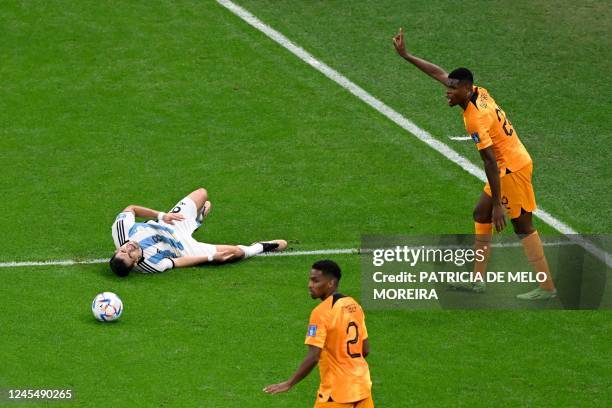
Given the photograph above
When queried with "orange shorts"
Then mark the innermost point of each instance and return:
(364, 403)
(517, 191)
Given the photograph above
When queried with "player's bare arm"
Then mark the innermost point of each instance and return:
(309, 362)
(224, 253)
(492, 172)
(187, 261)
(144, 212)
(427, 67)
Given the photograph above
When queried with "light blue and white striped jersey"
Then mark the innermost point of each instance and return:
(158, 242)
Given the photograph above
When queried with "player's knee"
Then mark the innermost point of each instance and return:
(523, 225)
(199, 196)
(522, 229)
(202, 193)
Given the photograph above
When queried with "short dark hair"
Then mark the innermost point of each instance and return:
(119, 266)
(329, 268)
(462, 75)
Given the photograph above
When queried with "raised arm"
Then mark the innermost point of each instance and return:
(427, 67)
(144, 212)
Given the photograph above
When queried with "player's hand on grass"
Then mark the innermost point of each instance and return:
(498, 217)
(221, 256)
(277, 388)
(169, 218)
(398, 43)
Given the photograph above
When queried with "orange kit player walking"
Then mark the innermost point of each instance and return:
(337, 340)
(507, 164)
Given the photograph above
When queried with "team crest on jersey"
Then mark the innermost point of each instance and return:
(475, 137)
(312, 330)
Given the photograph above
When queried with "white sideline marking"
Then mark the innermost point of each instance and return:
(337, 251)
(52, 263)
(105, 260)
(314, 252)
(396, 117)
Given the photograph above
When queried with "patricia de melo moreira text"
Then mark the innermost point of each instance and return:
(459, 257)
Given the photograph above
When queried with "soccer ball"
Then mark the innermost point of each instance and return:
(107, 307)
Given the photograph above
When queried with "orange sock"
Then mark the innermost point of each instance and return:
(482, 243)
(535, 255)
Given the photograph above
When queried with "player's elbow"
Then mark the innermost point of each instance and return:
(366, 348)
(441, 77)
(186, 261)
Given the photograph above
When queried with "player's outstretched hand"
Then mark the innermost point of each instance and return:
(169, 218)
(398, 43)
(277, 388)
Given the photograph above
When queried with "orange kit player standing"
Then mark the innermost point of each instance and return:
(507, 164)
(337, 339)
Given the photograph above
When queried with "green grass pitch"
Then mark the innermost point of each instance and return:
(106, 104)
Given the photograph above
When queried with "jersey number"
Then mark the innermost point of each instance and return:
(352, 341)
(501, 115)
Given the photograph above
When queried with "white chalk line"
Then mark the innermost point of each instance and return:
(336, 251)
(396, 117)
(105, 260)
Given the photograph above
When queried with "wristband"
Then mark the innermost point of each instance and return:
(211, 258)
(160, 216)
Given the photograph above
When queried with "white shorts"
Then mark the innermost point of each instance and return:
(183, 229)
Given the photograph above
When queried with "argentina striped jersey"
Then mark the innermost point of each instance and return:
(158, 242)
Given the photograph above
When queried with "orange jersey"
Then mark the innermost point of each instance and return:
(488, 125)
(337, 326)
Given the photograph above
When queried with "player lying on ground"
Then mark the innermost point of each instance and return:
(165, 243)
(507, 164)
(337, 340)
